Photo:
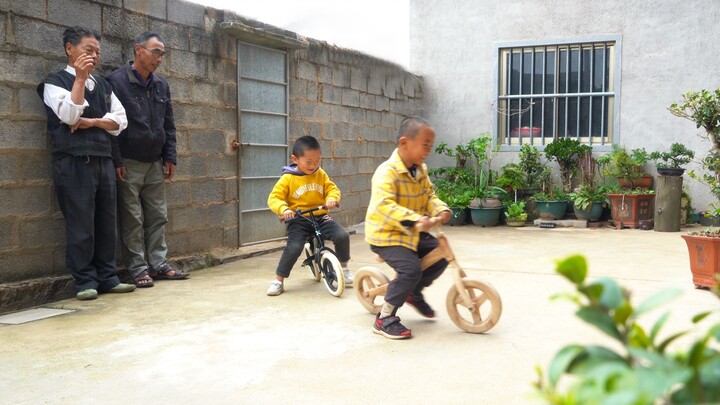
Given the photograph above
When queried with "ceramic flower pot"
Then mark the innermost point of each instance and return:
(704, 252)
(645, 182)
(458, 216)
(629, 209)
(592, 213)
(515, 222)
(551, 209)
(485, 216)
(670, 171)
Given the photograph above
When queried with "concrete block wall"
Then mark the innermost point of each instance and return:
(200, 66)
(351, 102)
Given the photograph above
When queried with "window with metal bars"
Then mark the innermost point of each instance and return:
(554, 91)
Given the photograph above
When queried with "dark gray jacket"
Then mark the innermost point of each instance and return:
(150, 134)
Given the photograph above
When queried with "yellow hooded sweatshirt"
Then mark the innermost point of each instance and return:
(296, 190)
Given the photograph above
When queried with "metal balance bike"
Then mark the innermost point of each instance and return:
(319, 258)
(474, 306)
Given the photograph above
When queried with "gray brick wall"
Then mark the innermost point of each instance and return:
(350, 102)
(354, 103)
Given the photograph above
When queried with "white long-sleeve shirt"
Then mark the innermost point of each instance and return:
(60, 102)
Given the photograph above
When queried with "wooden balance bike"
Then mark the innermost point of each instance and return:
(474, 306)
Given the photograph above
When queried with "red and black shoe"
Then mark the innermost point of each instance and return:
(390, 327)
(419, 303)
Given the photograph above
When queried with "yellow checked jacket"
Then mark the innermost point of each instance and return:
(397, 197)
(296, 190)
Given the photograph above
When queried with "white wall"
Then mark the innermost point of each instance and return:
(668, 48)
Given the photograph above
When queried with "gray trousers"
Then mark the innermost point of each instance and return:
(406, 263)
(142, 209)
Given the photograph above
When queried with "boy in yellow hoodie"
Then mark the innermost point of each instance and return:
(396, 224)
(304, 185)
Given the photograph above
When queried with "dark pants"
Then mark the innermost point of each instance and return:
(298, 232)
(406, 263)
(85, 188)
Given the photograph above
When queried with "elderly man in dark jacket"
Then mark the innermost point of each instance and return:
(144, 157)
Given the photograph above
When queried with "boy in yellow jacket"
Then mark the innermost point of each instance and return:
(304, 185)
(397, 221)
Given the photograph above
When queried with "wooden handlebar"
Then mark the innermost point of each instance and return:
(435, 221)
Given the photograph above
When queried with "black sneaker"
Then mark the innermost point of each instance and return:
(419, 303)
(390, 327)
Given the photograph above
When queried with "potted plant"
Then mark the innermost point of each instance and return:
(704, 251)
(628, 168)
(703, 109)
(455, 185)
(671, 163)
(588, 202)
(668, 215)
(566, 152)
(551, 205)
(458, 200)
(516, 215)
(630, 207)
(512, 178)
(487, 206)
(536, 173)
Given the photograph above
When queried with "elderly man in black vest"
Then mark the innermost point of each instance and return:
(83, 117)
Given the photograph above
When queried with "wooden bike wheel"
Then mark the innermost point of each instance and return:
(370, 286)
(485, 311)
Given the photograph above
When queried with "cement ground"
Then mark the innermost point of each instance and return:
(218, 339)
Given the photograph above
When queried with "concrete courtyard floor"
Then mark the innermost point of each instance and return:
(218, 339)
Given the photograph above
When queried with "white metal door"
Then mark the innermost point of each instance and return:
(263, 110)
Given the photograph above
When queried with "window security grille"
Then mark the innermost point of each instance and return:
(554, 91)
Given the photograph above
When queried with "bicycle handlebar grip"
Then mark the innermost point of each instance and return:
(299, 212)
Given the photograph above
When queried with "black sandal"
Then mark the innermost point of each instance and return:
(143, 280)
(166, 268)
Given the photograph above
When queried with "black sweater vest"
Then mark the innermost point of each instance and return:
(90, 141)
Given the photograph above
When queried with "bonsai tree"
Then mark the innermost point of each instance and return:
(512, 177)
(639, 367)
(675, 158)
(623, 165)
(703, 108)
(566, 152)
(535, 171)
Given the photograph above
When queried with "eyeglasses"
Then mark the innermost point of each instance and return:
(156, 52)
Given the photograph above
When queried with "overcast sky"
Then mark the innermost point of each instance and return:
(376, 27)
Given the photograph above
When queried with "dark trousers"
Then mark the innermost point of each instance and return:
(406, 263)
(85, 188)
(298, 232)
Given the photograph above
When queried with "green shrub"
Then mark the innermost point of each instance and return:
(643, 371)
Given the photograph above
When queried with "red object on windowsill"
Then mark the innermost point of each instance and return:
(525, 132)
